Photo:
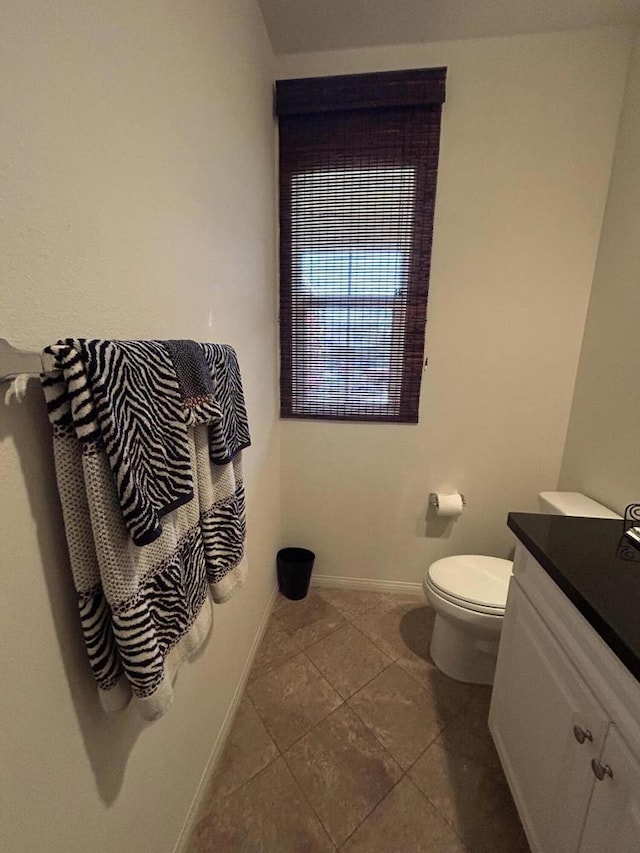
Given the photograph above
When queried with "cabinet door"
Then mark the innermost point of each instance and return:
(538, 698)
(613, 819)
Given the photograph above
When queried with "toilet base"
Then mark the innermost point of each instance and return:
(461, 654)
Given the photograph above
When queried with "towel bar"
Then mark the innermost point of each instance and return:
(14, 362)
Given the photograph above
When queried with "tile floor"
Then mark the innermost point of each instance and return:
(348, 738)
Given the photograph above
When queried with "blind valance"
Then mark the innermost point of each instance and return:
(417, 87)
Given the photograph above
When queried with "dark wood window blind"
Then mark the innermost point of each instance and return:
(358, 169)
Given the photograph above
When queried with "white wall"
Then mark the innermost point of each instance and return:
(602, 453)
(527, 143)
(137, 166)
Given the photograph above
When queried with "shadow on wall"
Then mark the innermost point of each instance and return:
(108, 740)
(435, 526)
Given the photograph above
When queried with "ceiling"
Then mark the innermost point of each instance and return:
(299, 26)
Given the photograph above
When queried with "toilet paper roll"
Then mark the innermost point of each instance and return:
(449, 506)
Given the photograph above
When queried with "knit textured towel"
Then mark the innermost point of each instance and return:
(194, 378)
(145, 608)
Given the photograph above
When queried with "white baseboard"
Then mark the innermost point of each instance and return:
(221, 740)
(368, 584)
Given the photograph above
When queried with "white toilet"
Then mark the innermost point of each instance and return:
(469, 594)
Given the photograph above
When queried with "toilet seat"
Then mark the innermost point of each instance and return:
(471, 581)
(470, 606)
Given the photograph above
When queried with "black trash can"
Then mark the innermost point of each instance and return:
(294, 572)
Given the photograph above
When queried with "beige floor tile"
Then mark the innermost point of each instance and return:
(291, 699)
(343, 755)
(269, 814)
(348, 660)
(397, 629)
(409, 600)
(282, 604)
(308, 620)
(421, 648)
(469, 732)
(463, 790)
(498, 833)
(353, 603)
(403, 716)
(404, 822)
(472, 796)
(276, 648)
(452, 696)
(248, 750)
(294, 614)
(343, 770)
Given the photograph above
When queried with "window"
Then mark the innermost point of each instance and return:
(358, 165)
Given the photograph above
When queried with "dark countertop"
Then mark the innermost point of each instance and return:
(586, 558)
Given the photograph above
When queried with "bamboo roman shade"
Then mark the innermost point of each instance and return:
(358, 168)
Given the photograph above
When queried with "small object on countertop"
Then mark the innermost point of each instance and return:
(633, 535)
(631, 528)
(631, 514)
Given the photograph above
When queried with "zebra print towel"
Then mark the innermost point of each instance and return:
(138, 398)
(145, 608)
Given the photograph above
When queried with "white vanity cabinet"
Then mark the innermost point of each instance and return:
(538, 700)
(564, 709)
(613, 818)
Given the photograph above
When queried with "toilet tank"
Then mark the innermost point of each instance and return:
(573, 503)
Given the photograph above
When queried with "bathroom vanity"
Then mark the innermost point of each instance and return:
(565, 710)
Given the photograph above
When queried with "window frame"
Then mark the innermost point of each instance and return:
(421, 92)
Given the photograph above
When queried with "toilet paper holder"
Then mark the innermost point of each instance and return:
(433, 500)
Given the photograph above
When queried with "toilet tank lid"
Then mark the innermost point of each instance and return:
(574, 503)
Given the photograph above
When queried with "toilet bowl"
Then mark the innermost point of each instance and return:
(469, 594)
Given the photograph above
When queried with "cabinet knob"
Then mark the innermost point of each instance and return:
(600, 770)
(581, 734)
